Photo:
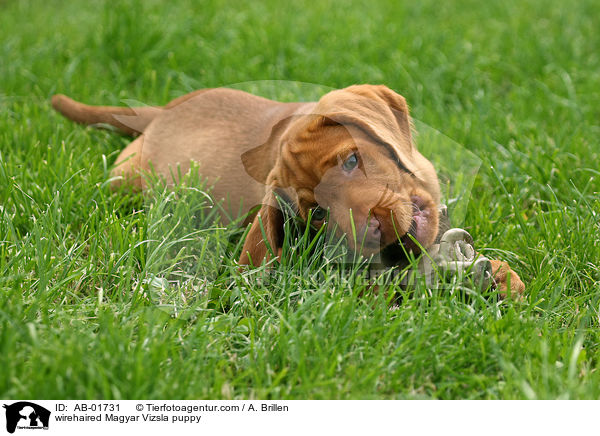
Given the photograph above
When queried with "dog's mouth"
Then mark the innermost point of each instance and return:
(394, 236)
(378, 233)
(419, 228)
(416, 237)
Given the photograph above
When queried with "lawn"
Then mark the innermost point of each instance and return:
(115, 296)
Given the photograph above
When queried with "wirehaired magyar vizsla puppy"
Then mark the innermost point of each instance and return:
(348, 158)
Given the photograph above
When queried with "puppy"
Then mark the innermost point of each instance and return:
(348, 159)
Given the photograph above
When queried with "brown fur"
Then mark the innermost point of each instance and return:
(253, 149)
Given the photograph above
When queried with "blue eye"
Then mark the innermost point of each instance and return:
(318, 213)
(350, 163)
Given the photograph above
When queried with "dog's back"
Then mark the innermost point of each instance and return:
(212, 127)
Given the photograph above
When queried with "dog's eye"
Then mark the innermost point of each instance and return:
(350, 163)
(318, 214)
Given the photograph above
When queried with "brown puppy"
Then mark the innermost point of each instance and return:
(350, 154)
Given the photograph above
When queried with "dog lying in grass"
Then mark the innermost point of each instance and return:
(348, 159)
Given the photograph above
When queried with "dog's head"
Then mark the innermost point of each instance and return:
(351, 162)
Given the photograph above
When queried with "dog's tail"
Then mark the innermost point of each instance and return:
(130, 121)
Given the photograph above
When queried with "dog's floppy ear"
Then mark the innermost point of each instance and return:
(267, 227)
(259, 161)
(379, 112)
(384, 115)
(397, 106)
(265, 237)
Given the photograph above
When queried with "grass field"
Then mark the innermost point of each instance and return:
(103, 296)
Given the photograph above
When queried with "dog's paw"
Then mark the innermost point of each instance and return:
(503, 275)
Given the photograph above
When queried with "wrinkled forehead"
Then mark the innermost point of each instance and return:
(310, 152)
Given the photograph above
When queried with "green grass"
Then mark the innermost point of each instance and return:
(106, 295)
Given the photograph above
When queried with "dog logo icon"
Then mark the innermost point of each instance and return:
(26, 415)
